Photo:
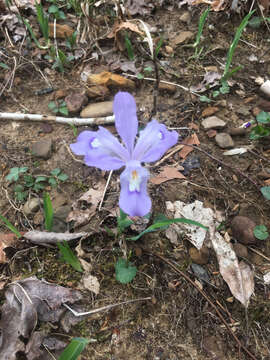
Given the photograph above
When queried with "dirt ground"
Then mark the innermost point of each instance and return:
(178, 322)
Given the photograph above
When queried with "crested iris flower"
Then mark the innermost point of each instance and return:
(101, 149)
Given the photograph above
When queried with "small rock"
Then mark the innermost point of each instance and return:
(237, 131)
(59, 220)
(265, 88)
(213, 122)
(240, 250)
(224, 141)
(38, 218)
(182, 38)
(42, 148)
(31, 206)
(169, 49)
(199, 256)
(210, 110)
(104, 108)
(185, 17)
(97, 91)
(60, 94)
(106, 78)
(242, 230)
(75, 102)
(211, 133)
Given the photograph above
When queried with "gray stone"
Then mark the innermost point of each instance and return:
(75, 102)
(42, 148)
(31, 206)
(224, 140)
(59, 220)
(213, 122)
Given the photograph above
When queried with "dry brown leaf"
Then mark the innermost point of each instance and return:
(92, 197)
(6, 240)
(216, 5)
(192, 140)
(210, 110)
(181, 38)
(118, 36)
(91, 283)
(167, 173)
(62, 31)
(238, 276)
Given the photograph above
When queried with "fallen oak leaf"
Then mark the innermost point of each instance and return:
(167, 173)
(191, 140)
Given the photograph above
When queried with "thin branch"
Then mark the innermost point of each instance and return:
(103, 308)
(58, 119)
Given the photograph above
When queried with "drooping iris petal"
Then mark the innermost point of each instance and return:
(126, 122)
(100, 149)
(134, 199)
(153, 142)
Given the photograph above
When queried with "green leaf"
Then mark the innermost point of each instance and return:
(140, 76)
(265, 190)
(123, 222)
(4, 66)
(62, 177)
(10, 226)
(261, 232)
(15, 172)
(68, 256)
(201, 26)
(74, 349)
(52, 105)
(52, 181)
(215, 93)
(40, 178)
(255, 22)
(124, 271)
(18, 188)
(224, 89)
(21, 196)
(39, 186)
(55, 172)
(163, 223)
(63, 110)
(53, 9)
(159, 44)
(148, 69)
(263, 117)
(29, 180)
(204, 98)
(129, 48)
(258, 132)
(48, 211)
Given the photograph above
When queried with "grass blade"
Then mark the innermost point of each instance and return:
(48, 211)
(74, 349)
(68, 256)
(10, 226)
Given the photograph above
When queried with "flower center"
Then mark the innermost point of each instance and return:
(95, 143)
(134, 182)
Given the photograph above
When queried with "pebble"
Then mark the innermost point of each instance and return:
(237, 131)
(59, 220)
(224, 140)
(31, 206)
(213, 122)
(75, 102)
(240, 250)
(242, 229)
(42, 148)
(103, 108)
(200, 257)
(185, 17)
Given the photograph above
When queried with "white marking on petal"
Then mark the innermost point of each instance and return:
(160, 135)
(134, 182)
(95, 143)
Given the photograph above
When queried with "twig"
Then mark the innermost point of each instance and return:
(259, 253)
(43, 237)
(241, 346)
(103, 308)
(165, 82)
(58, 119)
(104, 192)
(174, 150)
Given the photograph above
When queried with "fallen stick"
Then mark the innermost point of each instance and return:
(58, 119)
(43, 237)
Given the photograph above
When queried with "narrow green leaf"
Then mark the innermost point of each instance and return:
(129, 48)
(68, 256)
(159, 44)
(201, 26)
(124, 271)
(261, 232)
(48, 211)
(161, 224)
(265, 190)
(10, 226)
(74, 349)
(40, 178)
(4, 66)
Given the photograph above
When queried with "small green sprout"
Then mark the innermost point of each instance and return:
(58, 107)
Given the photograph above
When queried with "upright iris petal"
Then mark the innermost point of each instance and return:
(153, 142)
(134, 199)
(126, 122)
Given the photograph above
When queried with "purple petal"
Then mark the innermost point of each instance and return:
(134, 199)
(126, 123)
(153, 142)
(100, 149)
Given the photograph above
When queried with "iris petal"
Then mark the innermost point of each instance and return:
(126, 122)
(134, 199)
(100, 149)
(153, 142)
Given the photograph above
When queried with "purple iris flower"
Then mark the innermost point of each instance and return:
(103, 150)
